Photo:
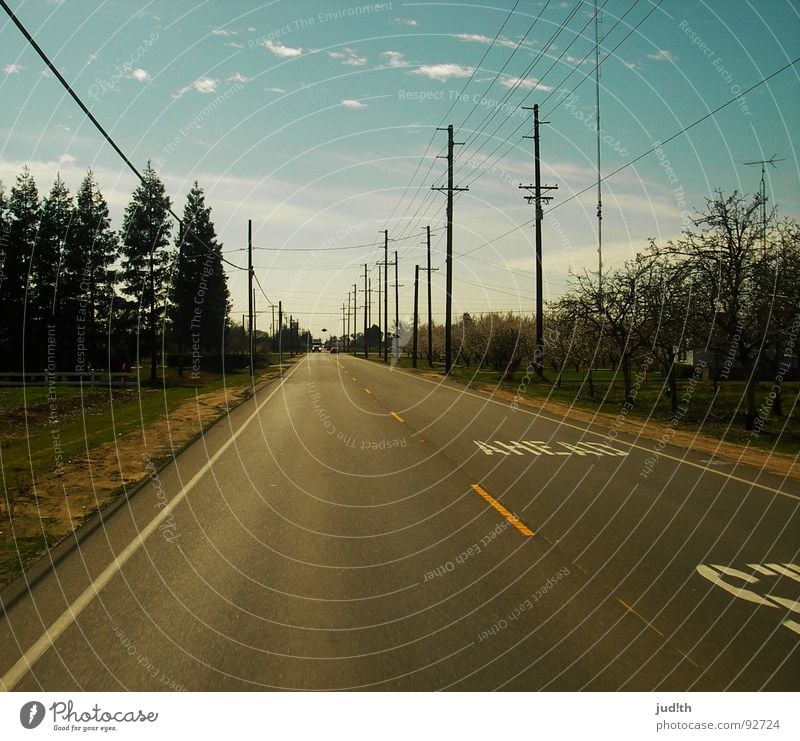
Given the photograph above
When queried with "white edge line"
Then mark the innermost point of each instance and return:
(46, 640)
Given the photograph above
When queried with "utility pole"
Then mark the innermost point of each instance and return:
(449, 262)
(599, 170)
(272, 333)
(291, 337)
(355, 318)
(386, 296)
(343, 323)
(416, 317)
(537, 199)
(280, 335)
(430, 309)
(255, 331)
(379, 308)
(250, 291)
(366, 284)
(396, 334)
(347, 336)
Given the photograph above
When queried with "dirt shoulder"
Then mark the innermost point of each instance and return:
(57, 504)
(777, 463)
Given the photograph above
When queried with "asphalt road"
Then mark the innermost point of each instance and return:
(356, 527)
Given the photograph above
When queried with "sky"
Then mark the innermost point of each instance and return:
(319, 122)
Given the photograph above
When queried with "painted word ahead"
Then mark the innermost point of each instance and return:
(540, 447)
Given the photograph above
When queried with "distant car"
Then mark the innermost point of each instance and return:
(334, 350)
(316, 348)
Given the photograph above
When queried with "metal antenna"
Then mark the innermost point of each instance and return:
(763, 193)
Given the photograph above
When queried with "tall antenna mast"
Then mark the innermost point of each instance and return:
(762, 190)
(599, 171)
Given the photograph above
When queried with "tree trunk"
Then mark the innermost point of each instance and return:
(672, 385)
(751, 411)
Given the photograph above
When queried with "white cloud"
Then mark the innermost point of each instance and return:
(525, 83)
(13, 69)
(234, 44)
(354, 104)
(348, 56)
(394, 58)
(203, 85)
(662, 55)
(224, 32)
(140, 75)
(405, 21)
(275, 90)
(279, 50)
(443, 72)
(479, 38)
(237, 77)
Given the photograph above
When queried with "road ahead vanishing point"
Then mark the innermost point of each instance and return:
(357, 527)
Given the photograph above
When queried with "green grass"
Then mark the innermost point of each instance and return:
(717, 415)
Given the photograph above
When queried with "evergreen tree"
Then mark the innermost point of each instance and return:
(23, 223)
(87, 278)
(145, 236)
(45, 300)
(199, 291)
(4, 229)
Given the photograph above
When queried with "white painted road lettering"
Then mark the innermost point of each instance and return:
(730, 579)
(540, 447)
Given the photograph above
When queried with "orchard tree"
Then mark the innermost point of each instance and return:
(145, 236)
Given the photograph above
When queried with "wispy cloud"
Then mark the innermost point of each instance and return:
(405, 21)
(13, 69)
(354, 104)
(224, 32)
(237, 77)
(525, 83)
(280, 50)
(275, 90)
(443, 72)
(140, 75)
(348, 56)
(394, 58)
(479, 38)
(662, 55)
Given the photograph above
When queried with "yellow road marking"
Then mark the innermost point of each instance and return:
(515, 521)
(368, 391)
(352, 378)
(653, 627)
(397, 416)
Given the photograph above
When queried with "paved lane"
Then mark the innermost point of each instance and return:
(355, 535)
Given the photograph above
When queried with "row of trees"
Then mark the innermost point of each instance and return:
(77, 294)
(724, 298)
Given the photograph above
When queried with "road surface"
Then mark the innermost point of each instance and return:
(358, 527)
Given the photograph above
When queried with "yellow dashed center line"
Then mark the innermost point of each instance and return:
(515, 521)
(656, 630)
(397, 416)
(368, 391)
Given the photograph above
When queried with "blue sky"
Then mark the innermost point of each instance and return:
(317, 120)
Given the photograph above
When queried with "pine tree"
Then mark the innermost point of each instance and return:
(45, 321)
(199, 292)
(23, 223)
(87, 278)
(145, 236)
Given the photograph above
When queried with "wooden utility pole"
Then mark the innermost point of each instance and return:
(396, 333)
(386, 295)
(430, 309)
(280, 335)
(416, 317)
(366, 301)
(537, 199)
(448, 329)
(355, 317)
(250, 292)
